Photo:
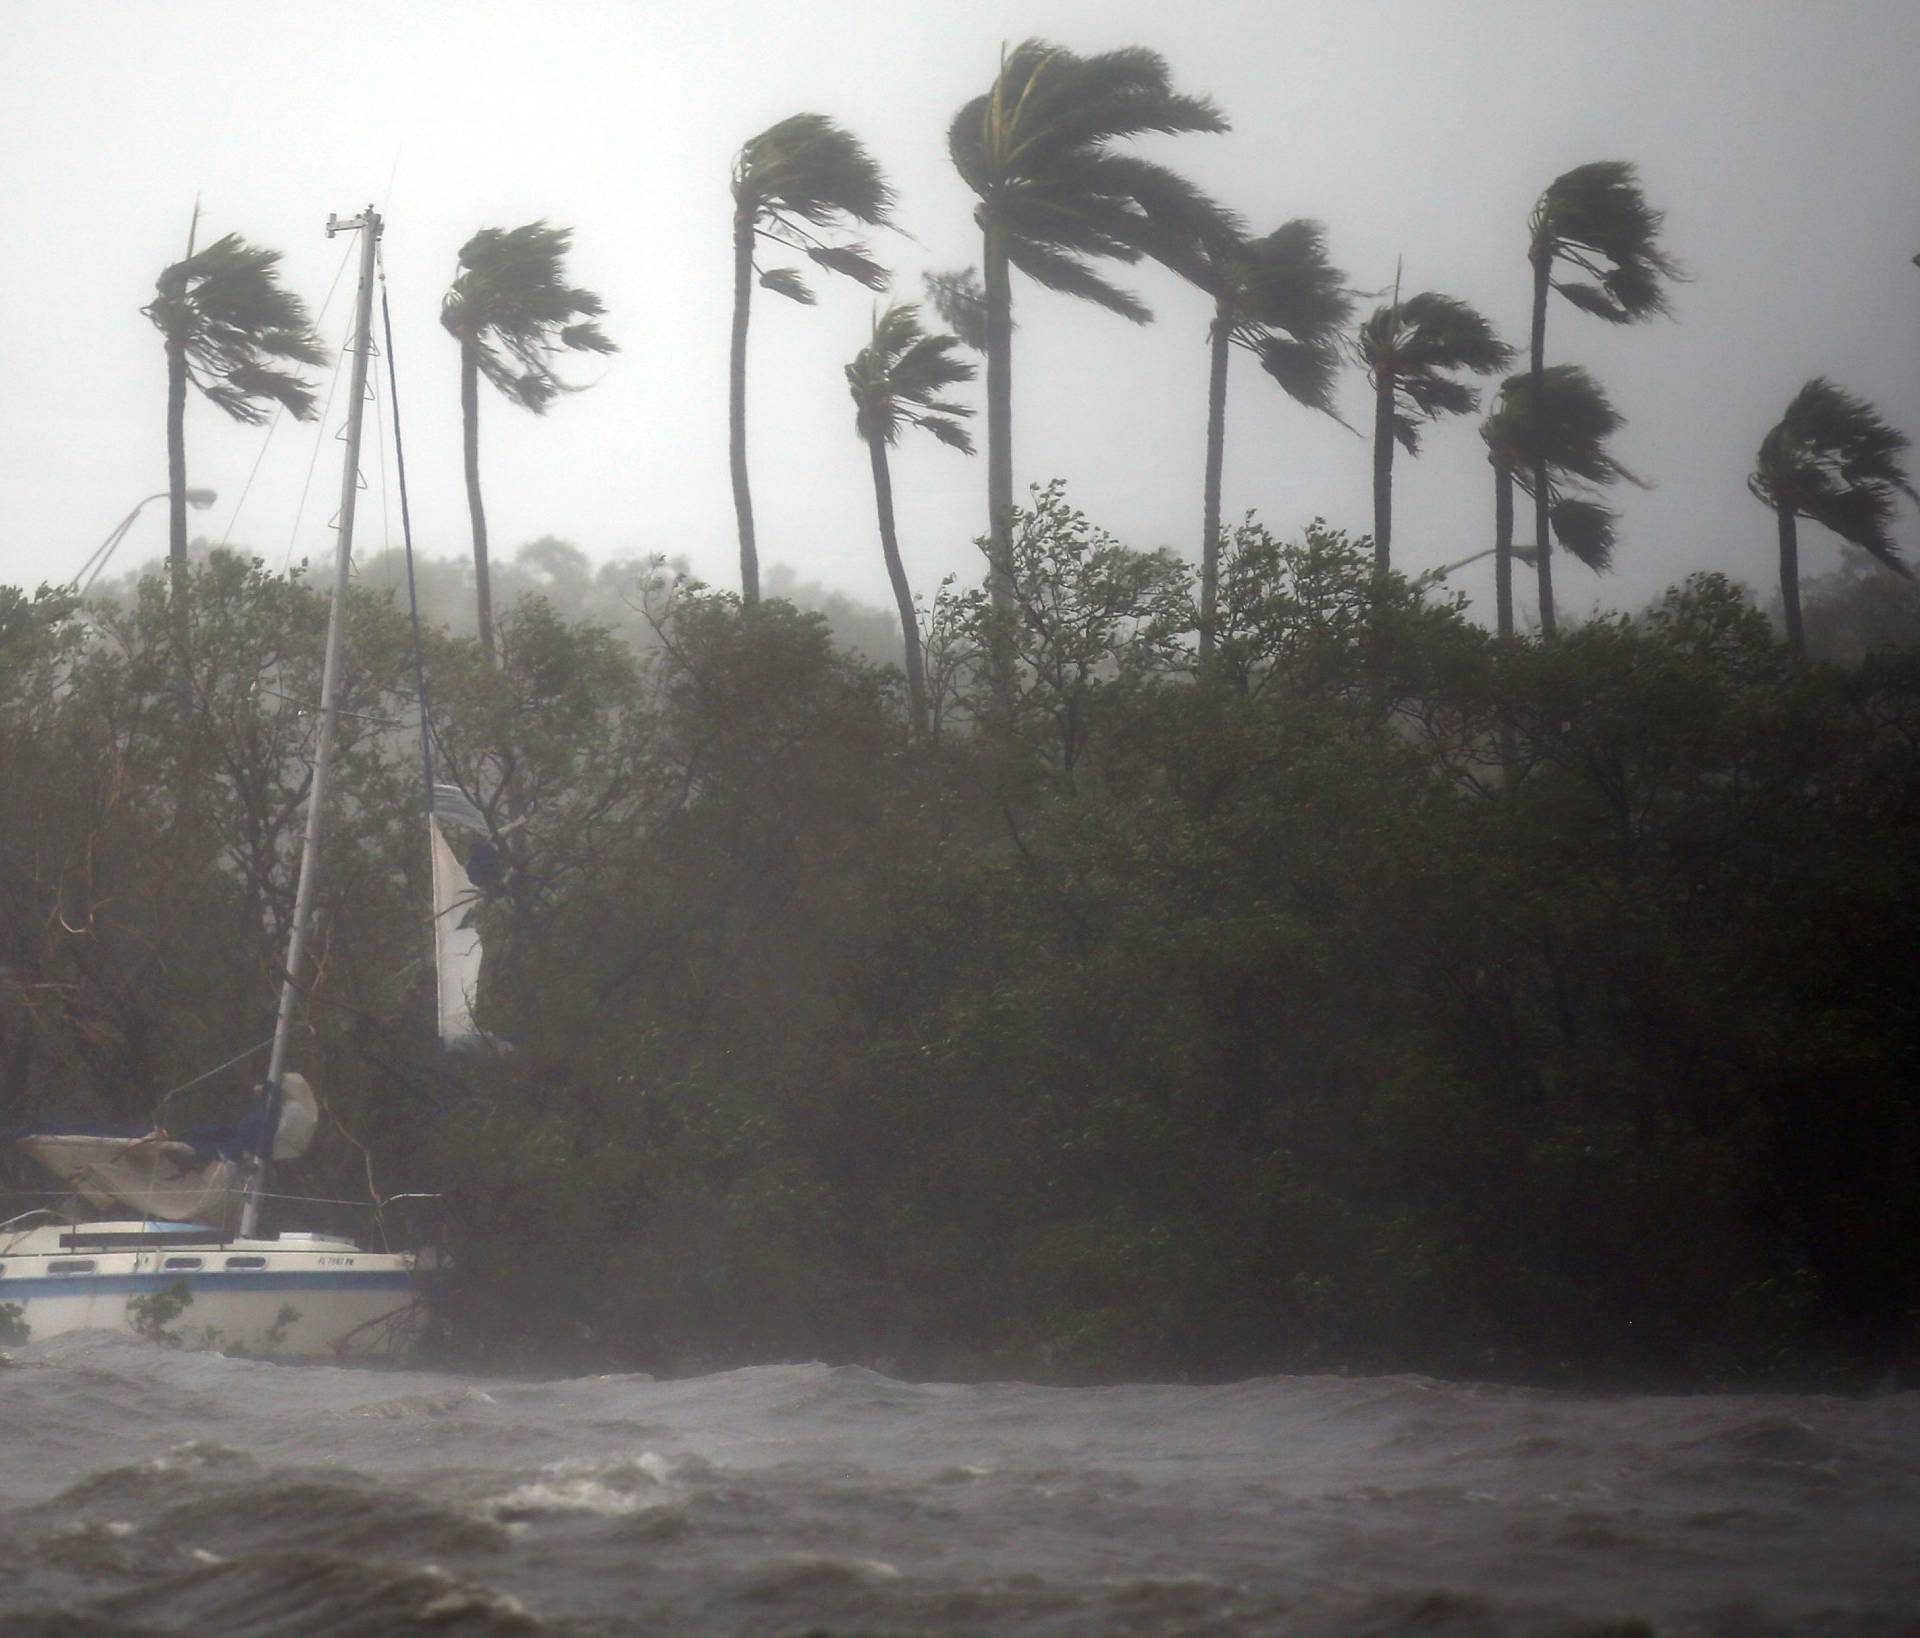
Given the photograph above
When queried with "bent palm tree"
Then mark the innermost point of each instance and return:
(1572, 432)
(1593, 219)
(1411, 351)
(802, 174)
(1055, 196)
(896, 380)
(512, 311)
(231, 331)
(1832, 459)
(1280, 299)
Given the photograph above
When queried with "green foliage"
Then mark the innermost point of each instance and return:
(14, 1330)
(512, 309)
(1832, 458)
(803, 174)
(1378, 996)
(1415, 347)
(1594, 218)
(897, 378)
(236, 330)
(1281, 299)
(1038, 149)
(1573, 420)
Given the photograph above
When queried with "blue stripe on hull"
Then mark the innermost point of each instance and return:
(262, 1282)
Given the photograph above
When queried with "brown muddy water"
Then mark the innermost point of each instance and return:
(146, 1492)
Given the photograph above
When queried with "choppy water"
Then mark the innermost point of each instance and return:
(143, 1491)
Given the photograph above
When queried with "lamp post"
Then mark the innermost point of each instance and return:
(1525, 554)
(200, 499)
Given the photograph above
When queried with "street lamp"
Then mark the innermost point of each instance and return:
(200, 499)
(1526, 554)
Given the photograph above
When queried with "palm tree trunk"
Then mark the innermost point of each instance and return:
(997, 284)
(1383, 477)
(902, 593)
(1219, 339)
(1542, 495)
(476, 509)
(1790, 578)
(177, 466)
(1503, 547)
(737, 407)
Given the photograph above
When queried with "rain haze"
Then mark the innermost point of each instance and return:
(1778, 138)
(1296, 1110)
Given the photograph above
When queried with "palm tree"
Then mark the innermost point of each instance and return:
(1595, 220)
(1410, 351)
(512, 311)
(1832, 459)
(232, 332)
(1055, 196)
(896, 381)
(1573, 432)
(796, 177)
(1280, 299)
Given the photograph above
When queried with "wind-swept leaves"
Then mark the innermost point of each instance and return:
(798, 178)
(1831, 458)
(961, 304)
(233, 332)
(784, 281)
(1282, 300)
(511, 306)
(1057, 196)
(515, 315)
(896, 381)
(1595, 219)
(1574, 427)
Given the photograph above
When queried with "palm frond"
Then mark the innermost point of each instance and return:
(895, 379)
(1586, 528)
(510, 303)
(1595, 218)
(807, 166)
(1039, 149)
(961, 303)
(948, 432)
(226, 310)
(1305, 370)
(1832, 459)
(851, 261)
(786, 281)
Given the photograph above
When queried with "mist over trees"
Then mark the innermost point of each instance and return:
(1123, 960)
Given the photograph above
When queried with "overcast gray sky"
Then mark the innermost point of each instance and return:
(1782, 140)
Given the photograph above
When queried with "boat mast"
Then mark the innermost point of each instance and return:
(368, 224)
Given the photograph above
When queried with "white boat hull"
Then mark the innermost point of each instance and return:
(294, 1297)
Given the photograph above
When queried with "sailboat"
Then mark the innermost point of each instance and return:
(183, 1257)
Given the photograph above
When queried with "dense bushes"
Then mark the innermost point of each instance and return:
(1385, 997)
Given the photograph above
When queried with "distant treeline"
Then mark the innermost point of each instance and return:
(1378, 995)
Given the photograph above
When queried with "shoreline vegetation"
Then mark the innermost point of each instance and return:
(1378, 996)
(1113, 967)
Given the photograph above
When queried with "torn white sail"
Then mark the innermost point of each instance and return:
(456, 946)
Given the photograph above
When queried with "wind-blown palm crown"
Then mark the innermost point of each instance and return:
(1577, 421)
(803, 174)
(226, 312)
(513, 313)
(1413, 348)
(234, 333)
(1410, 350)
(1036, 149)
(1057, 196)
(1595, 219)
(510, 303)
(1279, 298)
(1832, 459)
(896, 381)
(795, 178)
(897, 378)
